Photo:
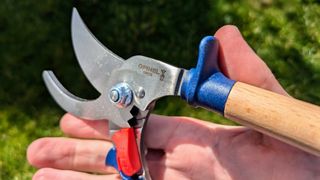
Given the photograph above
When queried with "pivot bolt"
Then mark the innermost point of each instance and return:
(121, 95)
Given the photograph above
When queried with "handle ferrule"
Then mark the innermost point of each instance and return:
(205, 85)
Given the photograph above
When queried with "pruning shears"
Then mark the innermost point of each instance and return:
(130, 87)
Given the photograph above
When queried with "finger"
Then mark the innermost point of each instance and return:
(167, 129)
(156, 164)
(49, 174)
(171, 130)
(70, 154)
(80, 128)
(160, 166)
(161, 170)
(166, 167)
(239, 62)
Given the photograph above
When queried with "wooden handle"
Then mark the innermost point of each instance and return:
(285, 118)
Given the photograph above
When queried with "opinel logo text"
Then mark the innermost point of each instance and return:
(148, 70)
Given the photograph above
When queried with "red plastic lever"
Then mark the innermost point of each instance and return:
(128, 158)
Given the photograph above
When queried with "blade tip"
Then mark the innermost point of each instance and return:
(45, 74)
(74, 11)
(75, 14)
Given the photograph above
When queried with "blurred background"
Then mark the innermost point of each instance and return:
(35, 35)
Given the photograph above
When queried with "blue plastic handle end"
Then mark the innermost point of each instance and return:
(111, 160)
(205, 85)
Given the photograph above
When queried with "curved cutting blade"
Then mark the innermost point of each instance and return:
(88, 109)
(96, 61)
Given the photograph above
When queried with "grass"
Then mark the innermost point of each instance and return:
(17, 131)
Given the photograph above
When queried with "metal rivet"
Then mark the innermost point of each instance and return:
(140, 93)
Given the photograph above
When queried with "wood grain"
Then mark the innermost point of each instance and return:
(285, 118)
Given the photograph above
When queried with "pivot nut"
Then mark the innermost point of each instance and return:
(121, 95)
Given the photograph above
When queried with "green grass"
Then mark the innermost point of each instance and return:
(35, 36)
(17, 131)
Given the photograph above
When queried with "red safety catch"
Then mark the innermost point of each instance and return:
(128, 158)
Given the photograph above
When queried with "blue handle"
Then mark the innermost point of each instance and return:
(111, 160)
(205, 85)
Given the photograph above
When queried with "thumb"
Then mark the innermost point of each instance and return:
(239, 62)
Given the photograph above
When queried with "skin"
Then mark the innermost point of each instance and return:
(182, 147)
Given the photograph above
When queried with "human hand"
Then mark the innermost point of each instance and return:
(180, 147)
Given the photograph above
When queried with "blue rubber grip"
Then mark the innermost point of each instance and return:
(205, 85)
(111, 160)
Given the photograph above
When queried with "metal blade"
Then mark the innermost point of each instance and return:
(88, 109)
(96, 61)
